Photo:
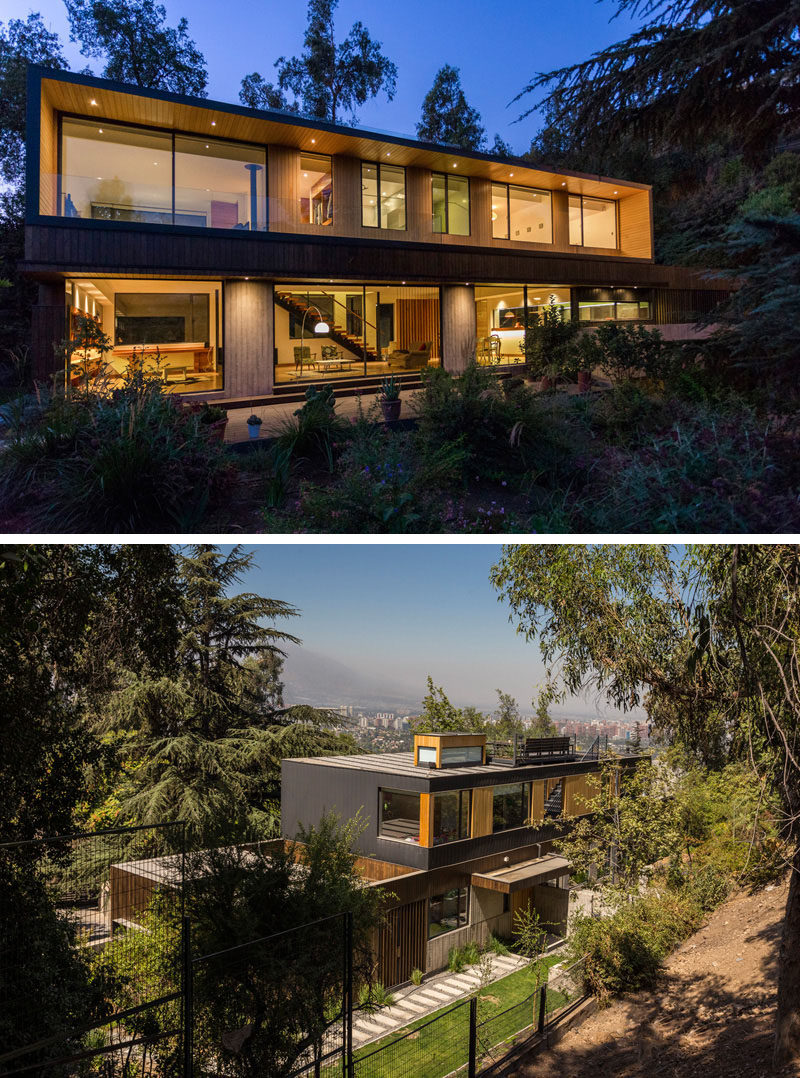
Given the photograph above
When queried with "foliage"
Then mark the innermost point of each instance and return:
(390, 389)
(507, 721)
(625, 952)
(496, 946)
(623, 352)
(691, 71)
(315, 426)
(456, 962)
(254, 420)
(137, 44)
(416, 977)
(327, 78)
(374, 995)
(438, 713)
(549, 344)
(446, 118)
(542, 725)
(132, 461)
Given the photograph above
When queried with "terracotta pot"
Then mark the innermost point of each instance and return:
(216, 431)
(391, 410)
(546, 382)
(584, 381)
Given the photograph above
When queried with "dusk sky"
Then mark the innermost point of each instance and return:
(403, 611)
(497, 47)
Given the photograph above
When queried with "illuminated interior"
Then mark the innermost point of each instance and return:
(315, 183)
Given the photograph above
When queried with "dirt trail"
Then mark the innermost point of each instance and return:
(712, 1016)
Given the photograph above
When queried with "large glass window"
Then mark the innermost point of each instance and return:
(116, 173)
(451, 816)
(592, 222)
(383, 196)
(161, 318)
(448, 911)
(450, 196)
(510, 806)
(521, 213)
(613, 304)
(399, 816)
(316, 189)
(219, 184)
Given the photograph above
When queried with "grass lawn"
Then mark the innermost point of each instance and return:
(439, 1043)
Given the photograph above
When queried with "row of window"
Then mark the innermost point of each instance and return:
(452, 813)
(114, 172)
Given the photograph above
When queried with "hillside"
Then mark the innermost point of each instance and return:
(712, 1016)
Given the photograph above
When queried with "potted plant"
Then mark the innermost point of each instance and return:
(389, 398)
(254, 425)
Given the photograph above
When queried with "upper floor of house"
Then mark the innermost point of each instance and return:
(451, 799)
(104, 154)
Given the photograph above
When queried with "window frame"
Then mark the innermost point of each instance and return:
(526, 809)
(522, 187)
(447, 232)
(459, 813)
(596, 198)
(382, 790)
(172, 133)
(379, 165)
(314, 153)
(467, 904)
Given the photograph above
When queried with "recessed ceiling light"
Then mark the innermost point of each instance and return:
(100, 130)
(93, 102)
(388, 155)
(99, 177)
(564, 183)
(247, 278)
(455, 165)
(213, 123)
(616, 192)
(313, 142)
(511, 175)
(404, 282)
(206, 145)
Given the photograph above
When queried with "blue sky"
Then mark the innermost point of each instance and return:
(403, 611)
(496, 46)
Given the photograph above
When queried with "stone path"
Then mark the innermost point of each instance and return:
(435, 992)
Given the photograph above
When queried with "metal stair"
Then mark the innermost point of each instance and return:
(554, 805)
(297, 306)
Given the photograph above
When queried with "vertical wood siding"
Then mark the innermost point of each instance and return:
(249, 337)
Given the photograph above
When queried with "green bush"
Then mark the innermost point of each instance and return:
(496, 946)
(550, 344)
(708, 887)
(625, 952)
(374, 995)
(314, 428)
(623, 351)
(416, 977)
(456, 962)
(471, 952)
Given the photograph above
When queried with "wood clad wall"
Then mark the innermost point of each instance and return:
(283, 164)
(48, 328)
(419, 209)
(482, 811)
(561, 220)
(426, 820)
(48, 157)
(249, 337)
(401, 943)
(480, 197)
(537, 802)
(576, 792)
(636, 225)
(520, 900)
(459, 326)
(552, 905)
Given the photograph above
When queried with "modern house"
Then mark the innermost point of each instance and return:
(459, 838)
(240, 252)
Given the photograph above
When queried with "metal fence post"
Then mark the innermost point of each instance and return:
(188, 1001)
(473, 1037)
(542, 1007)
(347, 1054)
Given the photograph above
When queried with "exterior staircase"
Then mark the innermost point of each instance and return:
(554, 805)
(297, 306)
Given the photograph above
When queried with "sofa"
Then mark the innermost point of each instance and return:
(414, 358)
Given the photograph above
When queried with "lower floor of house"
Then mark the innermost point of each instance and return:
(243, 337)
(446, 909)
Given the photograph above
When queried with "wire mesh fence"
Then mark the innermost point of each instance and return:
(277, 1006)
(90, 954)
(428, 1049)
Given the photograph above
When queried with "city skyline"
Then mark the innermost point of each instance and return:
(412, 37)
(375, 620)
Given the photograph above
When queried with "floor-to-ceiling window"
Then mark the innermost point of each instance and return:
(450, 204)
(383, 196)
(500, 316)
(170, 330)
(315, 183)
(451, 816)
(115, 172)
(399, 815)
(521, 213)
(371, 329)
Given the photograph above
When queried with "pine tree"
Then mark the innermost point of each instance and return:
(446, 117)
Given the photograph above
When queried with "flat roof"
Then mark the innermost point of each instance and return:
(65, 91)
(402, 763)
(524, 874)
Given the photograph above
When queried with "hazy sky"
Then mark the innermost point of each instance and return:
(403, 611)
(498, 47)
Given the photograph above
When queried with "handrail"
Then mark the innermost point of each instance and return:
(347, 310)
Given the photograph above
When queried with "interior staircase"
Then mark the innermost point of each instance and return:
(297, 306)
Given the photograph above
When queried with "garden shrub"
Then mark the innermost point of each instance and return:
(314, 428)
(471, 953)
(456, 962)
(625, 952)
(624, 351)
(550, 344)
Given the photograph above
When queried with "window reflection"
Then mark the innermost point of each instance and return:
(448, 911)
(316, 189)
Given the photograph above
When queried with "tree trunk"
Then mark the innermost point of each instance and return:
(787, 1026)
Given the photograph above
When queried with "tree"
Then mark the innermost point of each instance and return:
(507, 719)
(543, 725)
(446, 117)
(636, 740)
(137, 44)
(715, 631)
(203, 738)
(327, 78)
(694, 69)
(439, 714)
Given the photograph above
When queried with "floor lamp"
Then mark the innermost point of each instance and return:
(321, 328)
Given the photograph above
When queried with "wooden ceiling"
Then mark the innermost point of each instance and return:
(104, 100)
